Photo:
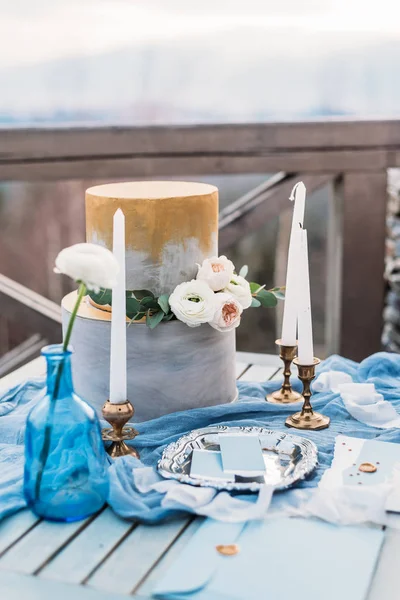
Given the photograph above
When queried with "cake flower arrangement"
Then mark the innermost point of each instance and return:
(217, 297)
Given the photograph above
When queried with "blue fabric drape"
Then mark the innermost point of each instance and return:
(382, 369)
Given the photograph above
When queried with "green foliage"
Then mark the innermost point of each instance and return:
(267, 299)
(163, 302)
(256, 287)
(143, 303)
(103, 297)
(141, 294)
(153, 319)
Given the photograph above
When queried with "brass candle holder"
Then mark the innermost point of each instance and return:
(286, 395)
(307, 418)
(118, 415)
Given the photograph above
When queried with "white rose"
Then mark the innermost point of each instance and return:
(193, 302)
(90, 264)
(227, 315)
(240, 288)
(216, 271)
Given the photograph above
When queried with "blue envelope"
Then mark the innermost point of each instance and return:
(278, 559)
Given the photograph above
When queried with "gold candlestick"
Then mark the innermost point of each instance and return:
(307, 418)
(118, 415)
(285, 395)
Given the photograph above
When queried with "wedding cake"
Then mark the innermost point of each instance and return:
(171, 227)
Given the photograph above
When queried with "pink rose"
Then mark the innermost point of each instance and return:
(227, 314)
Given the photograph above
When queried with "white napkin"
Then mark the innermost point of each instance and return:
(203, 500)
(361, 400)
(330, 380)
(365, 404)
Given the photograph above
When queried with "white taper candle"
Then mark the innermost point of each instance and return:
(305, 333)
(290, 308)
(118, 390)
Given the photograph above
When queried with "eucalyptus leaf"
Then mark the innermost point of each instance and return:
(163, 302)
(149, 302)
(243, 271)
(140, 294)
(279, 295)
(103, 297)
(152, 320)
(138, 316)
(255, 303)
(267, 299)
(254, 287)
(132, 305)
(169, 317)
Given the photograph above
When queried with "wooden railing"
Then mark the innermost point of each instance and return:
(351, 155)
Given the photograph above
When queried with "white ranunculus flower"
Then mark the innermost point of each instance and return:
(240, 288)
(216, 271)
(227, 314)
(193, 302)
(90, 264)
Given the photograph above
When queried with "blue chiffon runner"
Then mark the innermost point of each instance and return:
(382, 369)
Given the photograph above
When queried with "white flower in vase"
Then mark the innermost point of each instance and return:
(193, 302)
(90, 264)
(240, 289)
(228, 312)
(216, 271)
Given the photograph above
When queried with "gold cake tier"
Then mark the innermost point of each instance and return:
(170, 226)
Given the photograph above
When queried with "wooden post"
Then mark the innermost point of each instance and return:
(362, 262)
(334, 259)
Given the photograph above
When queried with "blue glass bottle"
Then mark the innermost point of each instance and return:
(65, 477)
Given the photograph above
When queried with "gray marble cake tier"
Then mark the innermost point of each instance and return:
(170, 368)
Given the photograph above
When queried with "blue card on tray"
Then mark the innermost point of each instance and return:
(241, 454)
(207, 464)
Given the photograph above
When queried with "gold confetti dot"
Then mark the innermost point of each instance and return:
(367, 467)
(228, 549)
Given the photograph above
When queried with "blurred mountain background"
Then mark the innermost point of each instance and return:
(229, 76)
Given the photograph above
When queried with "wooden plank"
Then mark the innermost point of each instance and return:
(69, 142)
(39, 545)
(21, 354)
(278, 375)
(203, 164)
(265, 206)
(85, 552)
(364, 231)
(14, 586)
(259, 373)
(35, 368)
(124, 570)
(334, 262)
(253, 358)
(38, 313)
(240, 368)
(14, 527)
(145, 589)
(386, 582)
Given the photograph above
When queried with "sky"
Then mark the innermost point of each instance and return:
(33, 31)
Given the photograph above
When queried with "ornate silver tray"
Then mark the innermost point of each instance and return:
(288, 458)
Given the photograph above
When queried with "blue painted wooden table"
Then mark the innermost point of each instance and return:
(107, 558)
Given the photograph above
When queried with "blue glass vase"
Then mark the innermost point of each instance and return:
(66, 469)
